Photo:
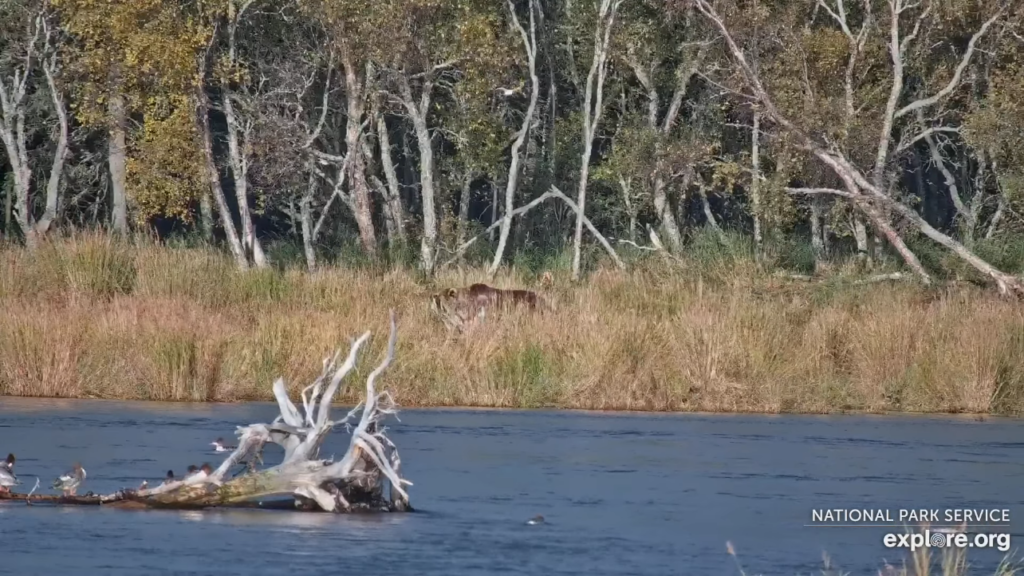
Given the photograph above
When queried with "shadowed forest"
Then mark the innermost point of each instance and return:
(757, 205)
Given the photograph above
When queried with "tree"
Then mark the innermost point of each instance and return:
(868, 191)
(593, 107)
(29, 45)
(530, 44)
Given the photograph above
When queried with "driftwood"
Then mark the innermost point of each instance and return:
(354, 483)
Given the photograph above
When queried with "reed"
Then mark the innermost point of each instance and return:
(92, 316)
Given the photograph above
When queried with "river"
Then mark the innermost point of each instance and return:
(622, 494)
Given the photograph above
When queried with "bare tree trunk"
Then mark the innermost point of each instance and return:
(530, 43)
(418, 112)
(663, 208)
(860, 236)
(817, 234)
(240, 172)
(755, 182)
(494, 210)
(593, 107)
(708, 214)
(306, 222)
(12, 131)
(393, 198)
(116, 161)
(467, 181)
(42, 225)
(626, 185)
(355, 99)
(206, 216)
(978, 195)
(213, 177)
(8, 207)
(239, 161)
(15, 137)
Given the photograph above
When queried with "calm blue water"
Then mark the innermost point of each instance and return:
(623, 494)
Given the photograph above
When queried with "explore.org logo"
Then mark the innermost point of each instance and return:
(947, 538)
(964, 527)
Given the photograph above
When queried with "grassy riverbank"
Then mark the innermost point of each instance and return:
(92, 318)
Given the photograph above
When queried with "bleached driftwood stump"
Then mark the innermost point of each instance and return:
(357, 481)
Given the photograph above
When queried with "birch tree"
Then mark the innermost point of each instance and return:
(512, 182)
(29, 46)
(868, 190)
(593, 107)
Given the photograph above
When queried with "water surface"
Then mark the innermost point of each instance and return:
(623, 494)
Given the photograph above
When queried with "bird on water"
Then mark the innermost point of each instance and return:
(69, 481)
(220, 446)
(538, 519)
(7, 477)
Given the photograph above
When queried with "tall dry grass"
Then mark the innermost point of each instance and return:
(93, 317)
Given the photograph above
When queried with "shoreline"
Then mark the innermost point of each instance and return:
(974, 416)
(95, 319)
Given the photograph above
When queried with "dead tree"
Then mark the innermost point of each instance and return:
(356, 482)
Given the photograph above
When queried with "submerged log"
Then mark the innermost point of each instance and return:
(354, 483)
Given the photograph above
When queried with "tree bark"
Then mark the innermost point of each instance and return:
(467, 182)
(360, 194)
(755, 181)
(418, 112)
(393, 195)
(817, 234)
(213, 177)
(117, 163)
(239, 162)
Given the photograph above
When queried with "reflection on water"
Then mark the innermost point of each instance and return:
(621, 493)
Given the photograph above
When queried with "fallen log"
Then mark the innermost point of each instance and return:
(354, 483)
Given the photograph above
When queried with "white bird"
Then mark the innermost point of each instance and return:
(7, 477)
(69, 482)
(220, 446)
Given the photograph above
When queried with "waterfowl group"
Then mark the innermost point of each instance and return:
(7, 477)
(69, 481)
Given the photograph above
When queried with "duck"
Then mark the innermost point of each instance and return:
(7, 477)
(538, 519)
(69, 481)
(220, 446)
(169, 478)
